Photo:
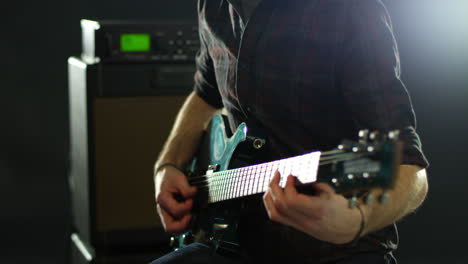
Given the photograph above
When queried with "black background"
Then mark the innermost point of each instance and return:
(37, 37)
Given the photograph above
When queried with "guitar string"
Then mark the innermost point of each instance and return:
(196, 180)
(217, 179)
(324, 156)
(238, 192)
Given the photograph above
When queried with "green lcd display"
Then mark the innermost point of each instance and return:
(135, 42)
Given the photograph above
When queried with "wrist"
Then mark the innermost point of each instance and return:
(160, 166)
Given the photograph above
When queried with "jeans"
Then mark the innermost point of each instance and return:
(198, 253)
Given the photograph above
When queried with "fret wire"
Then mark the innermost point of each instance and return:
(252, 183)
(228, 189)
(246, 184)
(219, 182)
(299, 167)
(226, 185)
(239, 187)
(233, 184)
(269, 171)
(249, 182)
(215, 186)
(256, 179)
(221, 185)
(255, 182)
(228, 176)
(260, 174)
(211, 187)
(241, 182)
(237, 183)
(262, 177)
(242, 186)
(234, 190)
(216, 181)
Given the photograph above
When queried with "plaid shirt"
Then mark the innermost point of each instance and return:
(311, 72)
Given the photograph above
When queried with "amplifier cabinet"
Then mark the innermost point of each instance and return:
(117, 129)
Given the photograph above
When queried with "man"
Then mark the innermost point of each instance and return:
(312, 73)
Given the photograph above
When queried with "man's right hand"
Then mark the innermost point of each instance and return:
(174, 199)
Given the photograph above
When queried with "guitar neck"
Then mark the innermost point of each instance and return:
(246, 181)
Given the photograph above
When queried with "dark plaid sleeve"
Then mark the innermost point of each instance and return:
(205, 79)
(370, 77)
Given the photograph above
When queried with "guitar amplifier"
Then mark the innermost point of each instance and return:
(120, 116)
(114, 41)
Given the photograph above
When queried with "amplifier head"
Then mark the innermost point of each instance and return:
(117, 41)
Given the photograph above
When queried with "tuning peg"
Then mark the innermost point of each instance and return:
(352, 202)
(370, 149)
(343, 147)
(363, 135)
(335, 182)
(374, 135)
(384, 197)
(369, 199)
(393, 135)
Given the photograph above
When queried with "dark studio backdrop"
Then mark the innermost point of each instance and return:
(38, 36)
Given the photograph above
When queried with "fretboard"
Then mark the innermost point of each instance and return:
(237, 183)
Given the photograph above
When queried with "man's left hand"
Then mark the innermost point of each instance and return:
(325, 216)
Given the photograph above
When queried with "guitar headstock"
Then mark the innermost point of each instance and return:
(370, 163)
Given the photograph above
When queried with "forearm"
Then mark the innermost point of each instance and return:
(408, 193)
(185, 135)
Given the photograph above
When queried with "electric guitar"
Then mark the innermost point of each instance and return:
(225, 179)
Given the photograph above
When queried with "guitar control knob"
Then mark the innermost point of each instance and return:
(258, 143)
(394, 134)
(363, 135)
(187, 238)
(374, 136)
